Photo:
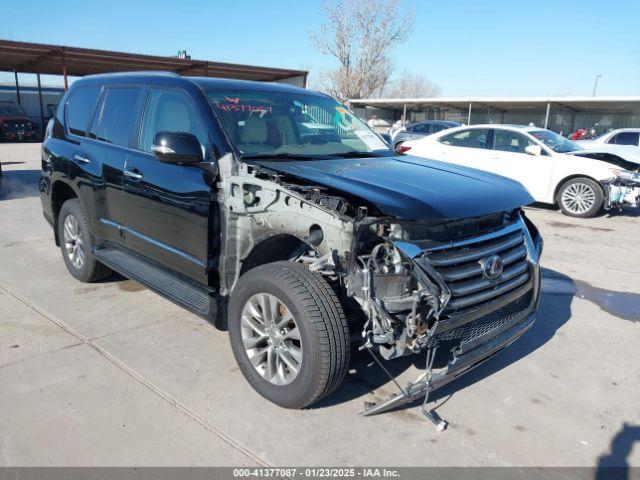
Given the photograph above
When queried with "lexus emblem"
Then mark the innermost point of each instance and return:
(492, 267)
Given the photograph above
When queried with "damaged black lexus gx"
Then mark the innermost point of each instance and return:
(275, 213)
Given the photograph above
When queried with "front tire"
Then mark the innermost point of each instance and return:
(289, 334)
(580, 197)
(76, 244)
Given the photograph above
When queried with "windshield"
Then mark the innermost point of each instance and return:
(555, 142)
(281, 124)
(11, 110)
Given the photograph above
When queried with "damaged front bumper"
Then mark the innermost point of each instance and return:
(622, 190)
(471, 355)
(465, 337)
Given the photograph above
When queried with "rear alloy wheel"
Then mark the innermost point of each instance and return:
(289, 334)
(580, 197)
(76, 244)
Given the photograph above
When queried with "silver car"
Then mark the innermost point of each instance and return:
(422, 129)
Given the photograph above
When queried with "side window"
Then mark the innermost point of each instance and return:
(80, 107)
(169, 111)
(625, 138)
(118, 116)
(475, 138)
(424, 128)
(437, 127)
(513, 142)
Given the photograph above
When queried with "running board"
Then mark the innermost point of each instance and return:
(187, 294)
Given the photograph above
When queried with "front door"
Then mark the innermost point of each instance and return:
(511, 160)
(167, 206)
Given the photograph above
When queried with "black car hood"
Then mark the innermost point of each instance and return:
(410, 187)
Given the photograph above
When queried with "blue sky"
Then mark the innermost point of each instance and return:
(469, 48)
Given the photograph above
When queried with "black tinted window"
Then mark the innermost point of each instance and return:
(437, 127)
(118, 115)
(80, 107)
(423, 128)
(625, 138)
(476, 138)
(169, 111)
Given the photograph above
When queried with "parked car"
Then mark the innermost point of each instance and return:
(202, 190)
(15, 125)
(541, 160)
(618, 136)
(421, 129)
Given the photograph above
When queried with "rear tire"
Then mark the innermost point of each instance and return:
(580, 197)
(272, 305)
(76, 244)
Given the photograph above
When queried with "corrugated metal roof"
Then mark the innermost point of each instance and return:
(49, 59)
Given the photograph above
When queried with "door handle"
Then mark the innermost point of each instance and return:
(81, 159)
(134, 173)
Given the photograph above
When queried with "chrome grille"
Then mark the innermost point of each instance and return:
(459, 265)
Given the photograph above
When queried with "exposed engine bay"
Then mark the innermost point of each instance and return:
(372, 259)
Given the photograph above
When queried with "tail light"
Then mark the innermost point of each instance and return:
(403, 149)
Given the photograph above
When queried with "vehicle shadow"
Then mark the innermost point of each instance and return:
(16, 184)
(614, 465)
(366, 377)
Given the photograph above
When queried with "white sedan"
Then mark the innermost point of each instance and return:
(554, 170)
(619, 136)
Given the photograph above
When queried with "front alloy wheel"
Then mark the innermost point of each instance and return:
(288, 333)
(271, 339)
(580, 197)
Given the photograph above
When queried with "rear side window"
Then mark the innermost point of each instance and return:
(424, 128)
(475, 138)
(80, 107)
(437, 127)
(118, 116)
(625, 138)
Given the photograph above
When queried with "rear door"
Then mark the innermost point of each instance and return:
(467, 147)
(98, 161)
(168, 205)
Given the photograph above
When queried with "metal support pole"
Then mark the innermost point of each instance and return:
(426, 113)
(404, 115)
(546, 118)
(469, 115)
(41, 106)
(64, 68)
(15, 73)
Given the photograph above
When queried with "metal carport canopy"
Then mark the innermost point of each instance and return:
(39, 58)
(582, 104)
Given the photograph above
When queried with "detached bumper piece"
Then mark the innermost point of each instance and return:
(471, 353)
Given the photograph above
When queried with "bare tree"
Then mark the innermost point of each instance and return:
(360, 34)
(411, 85)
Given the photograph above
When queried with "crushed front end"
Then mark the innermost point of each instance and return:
(623, 189)
(465, 289)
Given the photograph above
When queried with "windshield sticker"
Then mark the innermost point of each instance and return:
(371, 140)
(235, 107)
(343, 120)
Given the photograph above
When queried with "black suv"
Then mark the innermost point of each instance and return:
(271, 211)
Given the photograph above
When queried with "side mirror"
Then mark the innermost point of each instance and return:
(534, 150)
(176, 147)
